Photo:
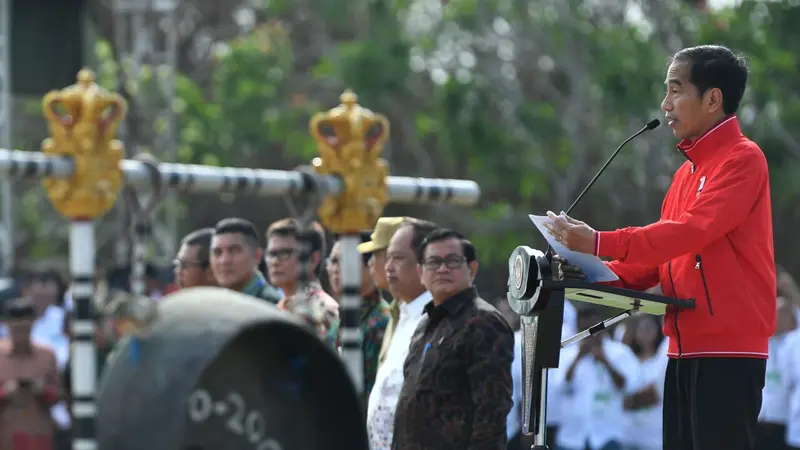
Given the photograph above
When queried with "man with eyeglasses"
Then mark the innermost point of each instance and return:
(457, 389)
(235, 254)
(313, 305)
(191, 264)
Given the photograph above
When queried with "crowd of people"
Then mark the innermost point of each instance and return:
(442, 366)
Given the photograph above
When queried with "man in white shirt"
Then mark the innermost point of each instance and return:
(593, 378)
(780, 385)
(406, 287)
(790, 364)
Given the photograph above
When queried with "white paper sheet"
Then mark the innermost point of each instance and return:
(593, 267)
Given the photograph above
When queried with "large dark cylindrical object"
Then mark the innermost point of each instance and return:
(221, 370)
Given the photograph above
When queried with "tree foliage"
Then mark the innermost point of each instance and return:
(527, 98)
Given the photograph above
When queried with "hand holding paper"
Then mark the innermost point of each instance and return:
(572, 233)
(593, 268)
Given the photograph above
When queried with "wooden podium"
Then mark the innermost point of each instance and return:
(538, 297)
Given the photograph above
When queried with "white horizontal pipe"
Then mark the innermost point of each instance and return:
(15, 164)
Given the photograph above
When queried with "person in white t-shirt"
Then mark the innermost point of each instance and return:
(775, 404)
(643, 423)
(790, 368)
(593, 378)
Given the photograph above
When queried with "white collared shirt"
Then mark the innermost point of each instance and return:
(790, 364)
(775, 404)
(591, 408)
(389, 379)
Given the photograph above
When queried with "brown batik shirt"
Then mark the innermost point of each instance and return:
(457, 389)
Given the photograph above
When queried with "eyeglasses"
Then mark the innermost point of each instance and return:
(180, 265)
(281, 254)
(451, 262)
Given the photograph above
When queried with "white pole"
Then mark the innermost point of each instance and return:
(350, 309)
(83, 362)
(205, 179)
(6, 188)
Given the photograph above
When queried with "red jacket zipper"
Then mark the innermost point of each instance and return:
(699, 266)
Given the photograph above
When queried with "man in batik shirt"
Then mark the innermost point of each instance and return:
(309, 302)
(375, 311)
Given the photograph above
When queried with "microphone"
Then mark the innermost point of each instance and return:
(653, 124)
(541, 327)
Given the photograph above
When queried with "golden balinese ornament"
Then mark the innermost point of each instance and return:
(82, 121)
(350, 140)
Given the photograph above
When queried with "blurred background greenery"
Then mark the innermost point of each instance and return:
(527, 97)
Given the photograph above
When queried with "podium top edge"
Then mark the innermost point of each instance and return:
(629, 293)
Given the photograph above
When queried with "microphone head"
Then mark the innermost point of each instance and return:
(653, 124)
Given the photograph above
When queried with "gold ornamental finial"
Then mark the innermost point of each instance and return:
(85, 77)
(350, 140)
(348, 99)
(82, 121)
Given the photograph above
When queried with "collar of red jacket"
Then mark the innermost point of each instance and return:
(712, 140)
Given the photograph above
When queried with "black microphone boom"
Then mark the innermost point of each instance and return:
(650, 125)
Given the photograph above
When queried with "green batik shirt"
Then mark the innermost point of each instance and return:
(259, 288)
(375, 314)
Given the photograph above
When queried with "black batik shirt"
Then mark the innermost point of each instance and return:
(457, 391)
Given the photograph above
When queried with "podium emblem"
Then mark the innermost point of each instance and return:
(518, 271)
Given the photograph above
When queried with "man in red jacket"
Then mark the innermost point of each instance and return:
(714, 244)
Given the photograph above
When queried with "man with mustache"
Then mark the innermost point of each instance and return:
(457, 389)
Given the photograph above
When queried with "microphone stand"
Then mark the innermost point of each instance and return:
(532, 328)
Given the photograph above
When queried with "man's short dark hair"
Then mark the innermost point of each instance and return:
(419, 230)
(443, 234)
(314, 234)
(239, 226)
(202, 239)
(715, 66)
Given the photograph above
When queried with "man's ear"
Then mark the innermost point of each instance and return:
(714, 100)
(419, 270)
(473, 271)
(259, 255)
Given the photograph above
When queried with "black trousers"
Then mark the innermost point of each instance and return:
(712, 403)
(771, 436)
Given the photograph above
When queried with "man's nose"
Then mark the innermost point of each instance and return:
(442, 269)
(666, 105)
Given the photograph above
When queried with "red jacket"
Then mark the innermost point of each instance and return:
(714, 244)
